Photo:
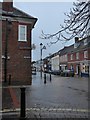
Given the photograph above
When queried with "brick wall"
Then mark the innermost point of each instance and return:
(7, 5)
(77, 62)
(18, 66)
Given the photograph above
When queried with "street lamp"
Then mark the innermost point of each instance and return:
(41, 48)
(8, 28)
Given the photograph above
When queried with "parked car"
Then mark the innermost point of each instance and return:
(56, 72)
(67, 73)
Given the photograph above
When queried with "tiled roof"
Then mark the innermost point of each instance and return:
(71, 48)
(66, 49)
(20, 13)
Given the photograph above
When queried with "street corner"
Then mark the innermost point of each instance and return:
(9, 98)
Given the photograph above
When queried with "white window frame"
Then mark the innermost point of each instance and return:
(19, 33)
(75, 45)
(66, 57)
(85, 42)
(71, 56)
(86, 54)
(77, 55)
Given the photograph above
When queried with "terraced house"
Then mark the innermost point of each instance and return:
(79, 57)
(75, 56)
(16, 44)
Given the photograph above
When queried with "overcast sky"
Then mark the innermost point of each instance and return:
(50, 15)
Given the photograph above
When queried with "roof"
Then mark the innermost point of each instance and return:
(71, 48)
(19, 14)
(22, 14)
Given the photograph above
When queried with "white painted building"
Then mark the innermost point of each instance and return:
(55, 62)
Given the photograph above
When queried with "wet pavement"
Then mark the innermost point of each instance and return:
(62, 97)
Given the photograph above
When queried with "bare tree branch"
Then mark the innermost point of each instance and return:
(76, 24)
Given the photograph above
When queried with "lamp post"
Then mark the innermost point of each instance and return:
(8, 28)
(41, 48)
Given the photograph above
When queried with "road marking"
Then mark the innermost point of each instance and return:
(9, 113)
(13, 86)
(45, 109)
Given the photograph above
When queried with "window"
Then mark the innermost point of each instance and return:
(65, 57)
(22, 35)
(85, 42)
(87, 68)
(76, 45)
(71, 67)
(85, 54)
(77, 56)
(61, 58)
(71, 56)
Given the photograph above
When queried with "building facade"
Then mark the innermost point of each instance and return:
(79, 57)
(63, 56)
(75, 56)
(16, 44)
(55, 63)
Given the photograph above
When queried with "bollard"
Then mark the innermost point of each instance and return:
(50, 77)
(41, 74)
(9, 79)
(23, 107)
(44, 78)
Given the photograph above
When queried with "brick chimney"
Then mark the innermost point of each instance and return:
(7, 5)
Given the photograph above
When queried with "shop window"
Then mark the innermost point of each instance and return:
(87, 69)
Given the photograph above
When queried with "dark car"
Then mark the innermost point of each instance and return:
(67, 73)
(56, 72)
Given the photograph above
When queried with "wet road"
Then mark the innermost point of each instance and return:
(61, 92)
(62, 97)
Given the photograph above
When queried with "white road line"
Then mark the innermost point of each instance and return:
(45, 109)
(11, 86)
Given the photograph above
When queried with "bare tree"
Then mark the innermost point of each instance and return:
(76, 24)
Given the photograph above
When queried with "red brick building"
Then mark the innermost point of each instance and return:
(79, 57)
(75, 56)
(16, 44)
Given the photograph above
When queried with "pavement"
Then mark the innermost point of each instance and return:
(62, 97)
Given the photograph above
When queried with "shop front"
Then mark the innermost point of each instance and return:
(85, 69)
